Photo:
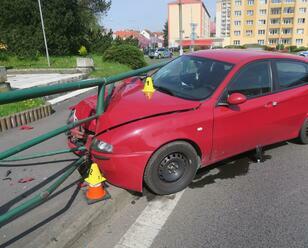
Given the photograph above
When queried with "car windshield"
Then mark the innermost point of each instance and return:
(191, 77)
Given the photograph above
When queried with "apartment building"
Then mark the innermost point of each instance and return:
(269, 22)
(195, 23)
(223, 14)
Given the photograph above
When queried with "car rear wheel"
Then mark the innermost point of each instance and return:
(171, 168)
(303, 135)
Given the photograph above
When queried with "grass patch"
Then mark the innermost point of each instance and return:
(105, 69)
(14, 62)
(16, 107)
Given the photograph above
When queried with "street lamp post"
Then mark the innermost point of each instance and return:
(181, 27)
(43, 28)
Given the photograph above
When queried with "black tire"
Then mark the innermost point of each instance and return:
(171, 168)
(303, 135)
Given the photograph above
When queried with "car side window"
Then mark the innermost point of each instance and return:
(252, 80)
(291, 73)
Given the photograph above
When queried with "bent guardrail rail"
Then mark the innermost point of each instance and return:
(19, 95)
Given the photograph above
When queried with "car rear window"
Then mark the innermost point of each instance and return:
(291, 73)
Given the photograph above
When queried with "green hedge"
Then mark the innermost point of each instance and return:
(125, 54)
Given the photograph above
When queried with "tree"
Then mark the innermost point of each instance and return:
(67, 25)
(132, 41)
(166, 34)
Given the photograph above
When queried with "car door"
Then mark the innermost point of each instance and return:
(291, 98)
(239, 128)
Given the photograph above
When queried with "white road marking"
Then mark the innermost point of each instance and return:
(68, 96)
(143, 231)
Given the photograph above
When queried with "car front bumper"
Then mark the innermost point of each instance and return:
(123, 170)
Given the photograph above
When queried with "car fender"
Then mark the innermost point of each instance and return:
(149, 134)
(134, 144)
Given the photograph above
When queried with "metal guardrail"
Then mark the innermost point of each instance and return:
(19, 95)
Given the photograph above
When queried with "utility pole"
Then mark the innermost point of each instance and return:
(181, 27)
(43, 28)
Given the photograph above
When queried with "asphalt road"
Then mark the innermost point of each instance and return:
(232, 204)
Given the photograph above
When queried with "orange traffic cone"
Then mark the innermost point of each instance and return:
(96, 191)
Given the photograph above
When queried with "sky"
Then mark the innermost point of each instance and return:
(142, 14)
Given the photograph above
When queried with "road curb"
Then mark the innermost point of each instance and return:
(65, 237)
(25, 117)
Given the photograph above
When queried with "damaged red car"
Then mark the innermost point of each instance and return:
(207, 106)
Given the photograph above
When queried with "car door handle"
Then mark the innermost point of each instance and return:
(271, 104)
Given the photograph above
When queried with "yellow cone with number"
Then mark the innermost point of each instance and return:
(148, 86)
(95, 177)
(96, 191)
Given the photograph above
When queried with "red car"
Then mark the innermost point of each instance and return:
(208, 106)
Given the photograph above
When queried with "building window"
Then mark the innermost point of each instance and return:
(236, 42)
(261, 31)
(299, 41)
(250, 2)
(300, 31)
(249, 22)
(261, 42)
(302, 10)
(274, 31)
(249, 12)
(237, 33)
(276, 1)
(248, 32)
(287, 31)
(304, 1)
(301, 20)
(237, 23)
(238, 13)
(273, 41)
(275, 21)
(263, 1)
(287, 20)
(288, 10)
(286, 41)
(275, 11)
(238, 2)
(262, 21)
(262, 11)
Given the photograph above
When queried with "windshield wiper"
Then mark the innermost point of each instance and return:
(164, 90)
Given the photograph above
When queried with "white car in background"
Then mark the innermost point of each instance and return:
(303, 53)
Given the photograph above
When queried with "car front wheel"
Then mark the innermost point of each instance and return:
(171, 168)
(303, 135)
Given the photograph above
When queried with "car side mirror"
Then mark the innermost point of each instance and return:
(236, 99)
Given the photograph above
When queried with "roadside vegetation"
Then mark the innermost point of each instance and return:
(16, 107)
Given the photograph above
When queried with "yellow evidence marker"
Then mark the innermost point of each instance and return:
(95, 177)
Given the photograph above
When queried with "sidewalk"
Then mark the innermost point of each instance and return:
(25, 80)
(22, 81)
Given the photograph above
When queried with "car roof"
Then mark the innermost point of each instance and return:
(236, 56)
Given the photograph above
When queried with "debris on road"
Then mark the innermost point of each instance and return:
(25, 180)
(8, 172)
(24, 127)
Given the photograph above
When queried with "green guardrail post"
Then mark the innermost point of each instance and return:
(100, 106)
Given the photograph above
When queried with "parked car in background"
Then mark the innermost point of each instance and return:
(208, 106)
(303, 53)
(160, 53)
